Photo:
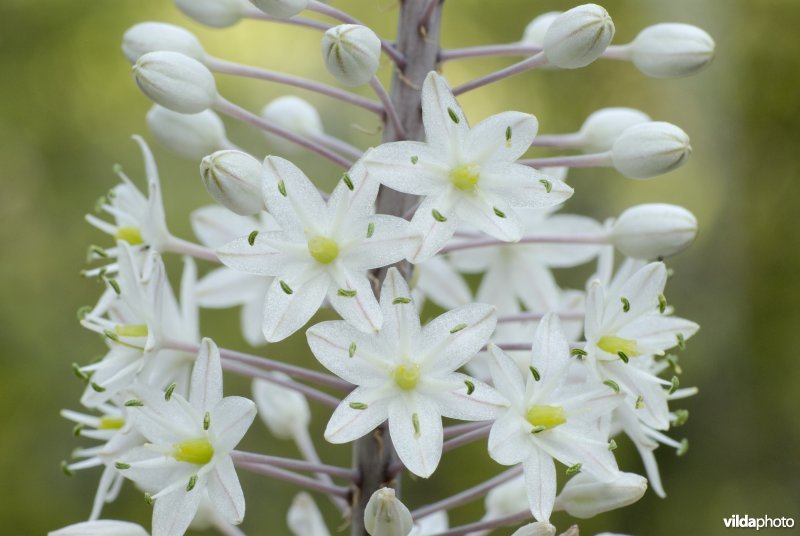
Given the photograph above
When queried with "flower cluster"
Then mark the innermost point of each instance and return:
(549, 376)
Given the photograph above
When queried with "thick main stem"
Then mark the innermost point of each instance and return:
(418, 32)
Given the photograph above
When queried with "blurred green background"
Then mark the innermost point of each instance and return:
(68, 106)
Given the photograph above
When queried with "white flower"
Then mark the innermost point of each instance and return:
(626, 323)
(304, 518)
(190, 135)
(295, 115)
(650, 149)
(324, 250)
(465, 174)
(385, 515)
(653, 230)
(189, 447)
(352, 53)
(406, 374)
(578, 37)
(101, 527)
(285, 411)
(540, 528)
(549, 418)
(233, 178)
(670, 50)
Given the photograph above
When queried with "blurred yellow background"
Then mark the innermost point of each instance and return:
(68, 107)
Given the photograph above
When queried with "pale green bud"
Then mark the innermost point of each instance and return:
(650, 149)
(295, 115)
(540, 528)
(537, 28)
(175, 81)
(283, 410)
(304, 518)
(214, 13)
(189, 135)
(283, 9)
(671, 50)
(578, 37)
(351, 53)
(154, 36)
(584, 496)
(234, 179)
(385, 515)
(602, 128)
(653, 230)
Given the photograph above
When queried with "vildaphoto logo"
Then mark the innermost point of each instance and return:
(763, 522)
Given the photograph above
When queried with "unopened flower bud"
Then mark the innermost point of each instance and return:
(295, 115)
(650, 149)
(653, 230)
(671, 50)
(283, 410)
(189, 135)
(385, 515)
(352, 53)
(154, 36)
(283, 9)
(537, 28)
(602, 128)
(214, 13)
(578, 37)
(175, 81)
(304, 518)
(234, 179)
(583, 496)
(101, 527)
(506, 499)
(540, 528)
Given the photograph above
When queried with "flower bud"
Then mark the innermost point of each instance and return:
(283, 9)
(385, 515)
(234, 179)
(578, 37)
(154, 36)
(650, 149)
(671, 50)
(540, 528)
(175, 81)
(304, 518)
(352, 53)
(214, 13)
(189, 135)
(101, 527)
(537, 28)
(583, 496)
(283, 410)
(506, 499)
(603, 127)
(653, 230)
(295, 115)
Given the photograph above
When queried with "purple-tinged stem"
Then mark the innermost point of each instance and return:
(388, 105)
(525, 65)
(531, 239)
(511, 519)
(465, 439)
(253, 372)
(288, 463)
(298, 480)
(572, 161)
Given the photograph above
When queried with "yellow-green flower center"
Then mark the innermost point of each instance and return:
(131, 235)
(465, 177)
(406, 377)
(197, 451)
(545, 417)
(111, 423)
(615, 345)
(323, 249)
(131, 330)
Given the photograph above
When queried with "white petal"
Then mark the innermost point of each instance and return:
(346, 205)
(484, 209)
(225, 491)
(348, 423)
(162, 421)
(540, 483)
(641, 290)
(571, 448)
(595, 303)
(269, 254)
(172, 513)
(331, 343)
(286, 313)
(400, 319)
(523, 186)
(418, 440)
(550, 350)
(361, 310)
(230, 420)
(302, 207)
(206, 389)
(655, 333)
(482, 404)
(215, 225)
(498, 284)
(568, 255)
(441, 284)
(506, 375)
(509, 443)
(225, 287)
(535, 284)
(434, 233)
(451, 339)
(503, 137)
(393, 165)
(540, 528)
(446, 125)
(155, 471)
(392, 239)
(252, 315)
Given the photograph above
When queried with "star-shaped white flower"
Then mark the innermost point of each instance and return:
(323, 250)
(189, 447)
(550, 418)
(465, 174)
(406, 374)
(627, 322)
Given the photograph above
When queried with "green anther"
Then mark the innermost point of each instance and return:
(684, 448)
(282, 188)
(508, 134)
(97, 387)
(639, 404)
(122, 465)
(130, 330)
(622, 355)
(546, 417)
(348, 182)
(346, 293)
(499, 213)
(681, 416)
(465, 177)
(251, 238)
(83, 311)
(615, 345)
(453, 116)
(578, 352)
(97, 250)
(76, 369)
(406, 377)
(148, 498)
(370, 229)
(681, 341)
(196, 451)
(414, 160)
(470, 387)
(535, 373)
(285, 286)
(169, 390)
(114, 285)
(626, 305)
(111, 423)
(323, 249)
(358, 405)
(547, 185)
(400, 300)
(77, 429)
(662, 303)
(415, 422)
(614, 385)
(65, 469)
(192, 483)
(458, 328)
(612, 445)
(206, 420)
(675, 384)
(438, 216)
(574, 469)
(352, 350)
(131, 235)
(134, 403)
(110, 334)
